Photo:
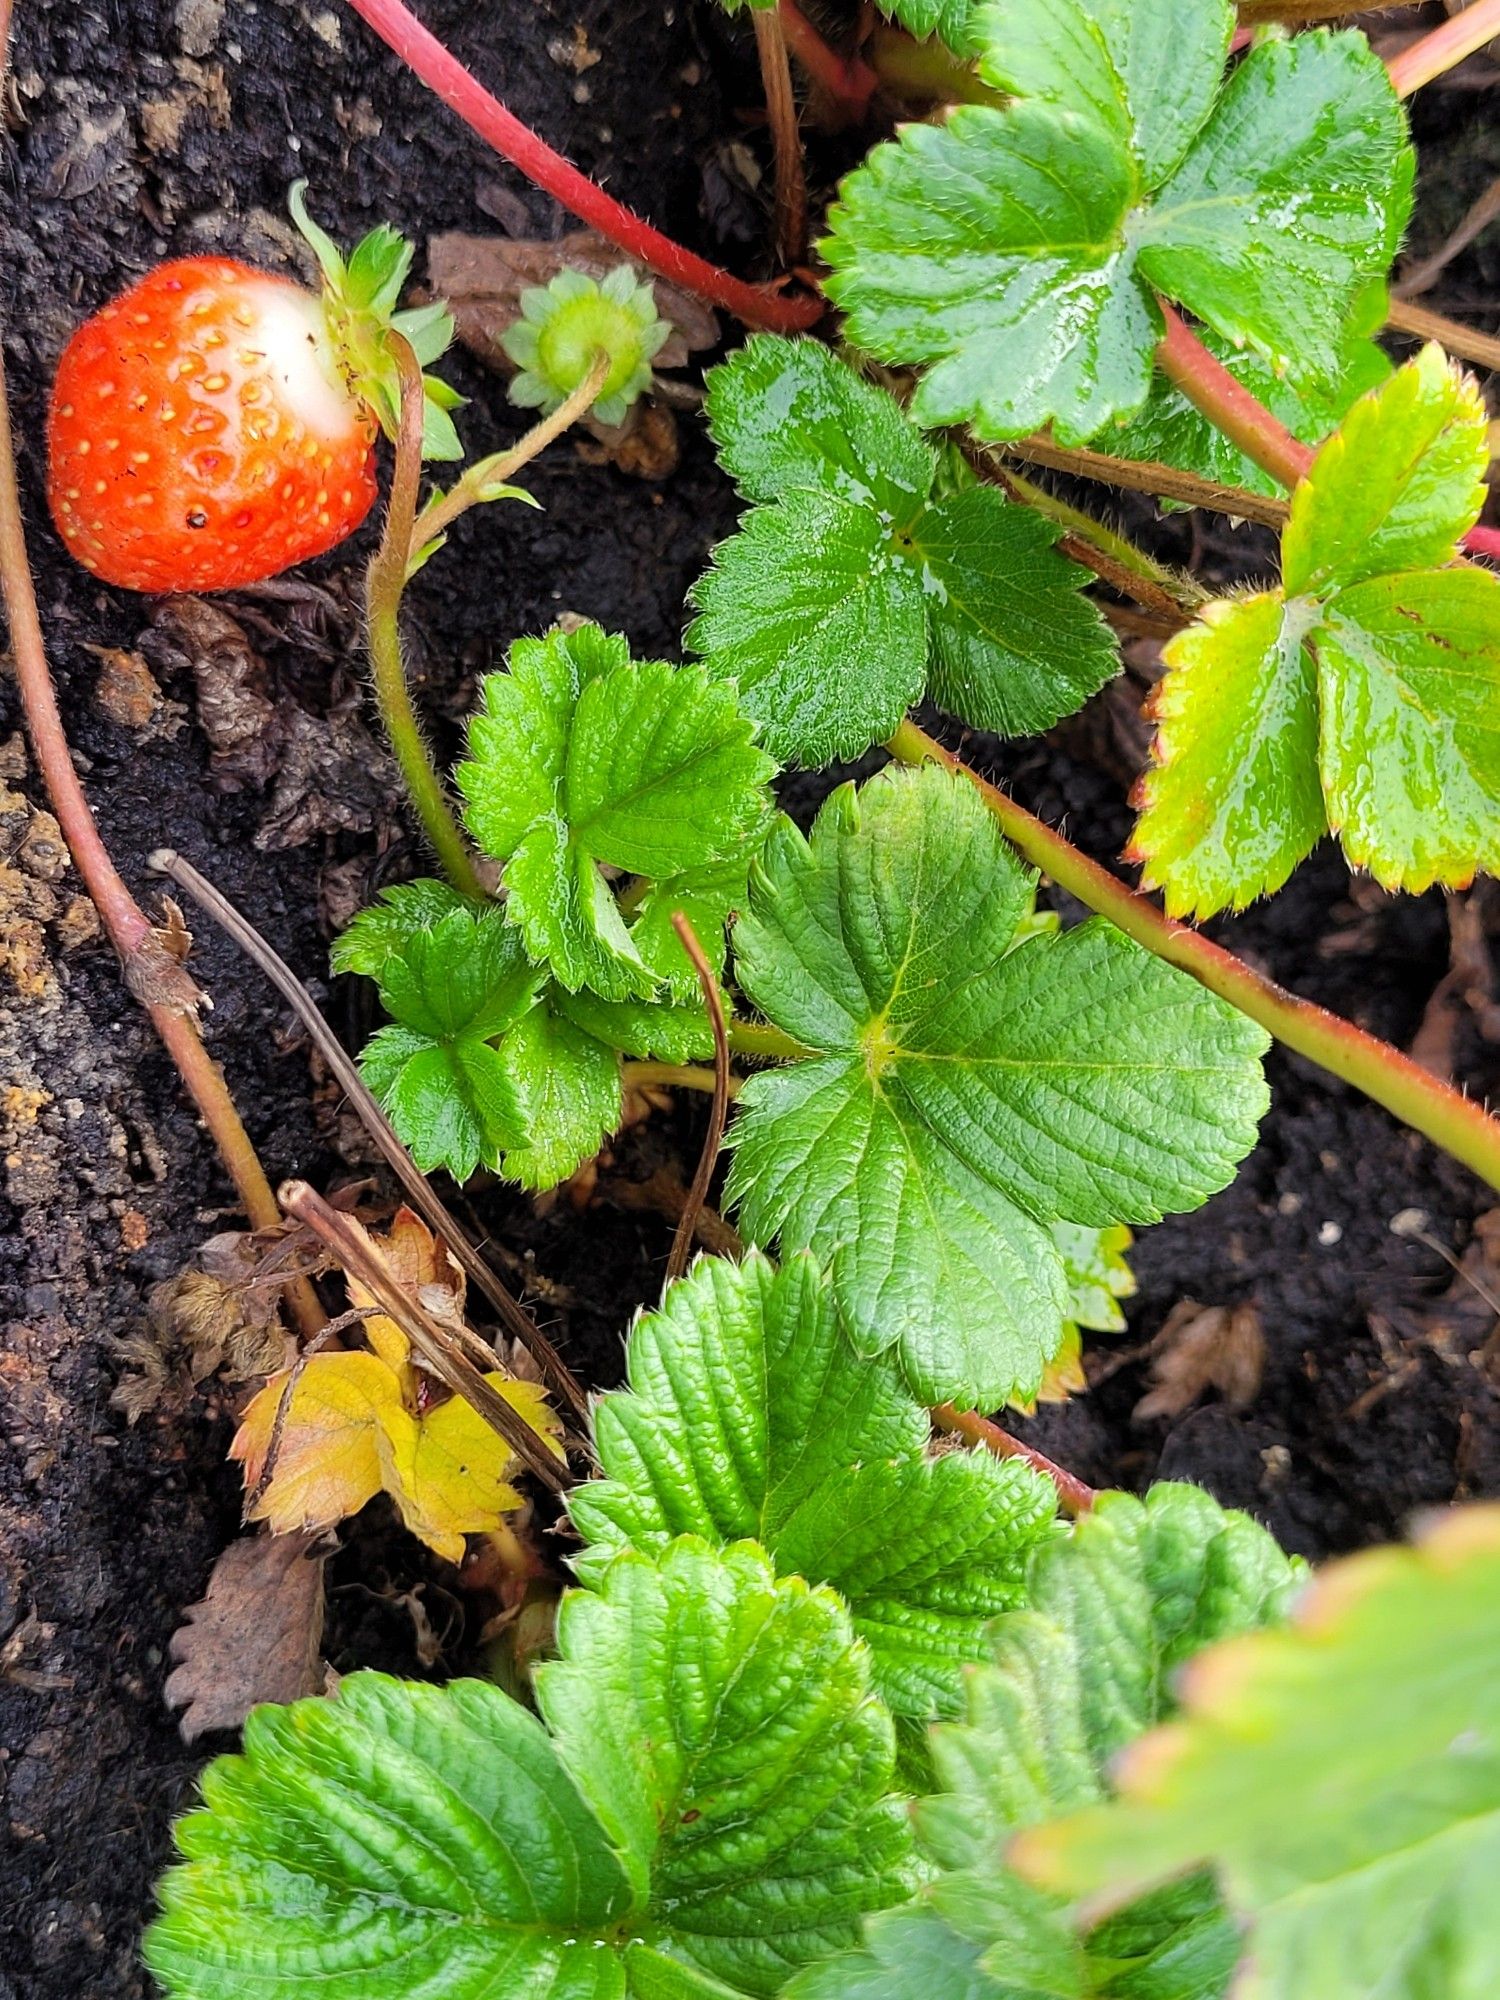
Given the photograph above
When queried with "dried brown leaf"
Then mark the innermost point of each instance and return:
(253, 1636)
(1200, 1348)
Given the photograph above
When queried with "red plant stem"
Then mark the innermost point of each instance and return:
(1383, 1073)
(424, 54)
(150, 972)
(1228, 404)
(1073, 1496)
(1462, 35)
(847, 79)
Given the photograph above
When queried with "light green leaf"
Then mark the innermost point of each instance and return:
(1015, 645)
(1232, 801)
(1116, 1608)
(380, 931)
(1014, 252)
(720, 1724)
(640, 1028)
(1397, 487)
(708, 898)
(950, 20)
(1409, 744)
(568, 1085)
(451, 987)
(789, 416)
(584, 758)
(964, 1092)
(1098, 1274)
(749, 1414)
(704, 1816)
(805, 589)
(1359, 1855)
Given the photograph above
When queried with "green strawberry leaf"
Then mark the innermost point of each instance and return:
(749, 1415)
(1359, 1857)
(380, 931)
(1232, 802)
(950, 20)
(704, 1816)
(1098, 1274)
(567, 1082)
(1368, 702)
(862, 578)
(1014, 253)
(708, 898)
(964, 1093)
(584, 759)
(1115, 1610)
(450, 987)
(1397, 487)
(639, 1028)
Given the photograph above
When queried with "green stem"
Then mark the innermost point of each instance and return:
(1179, 591)
(924, 72)
(675, 1076)
(760, 1039)
(469, 491)
(1384, 1074)
(385, 584)
(1147, 475)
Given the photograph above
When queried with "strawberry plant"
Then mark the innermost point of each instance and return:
(836, 1712)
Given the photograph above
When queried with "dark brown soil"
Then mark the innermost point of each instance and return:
(135, 130)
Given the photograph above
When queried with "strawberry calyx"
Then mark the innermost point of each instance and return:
(360, 292)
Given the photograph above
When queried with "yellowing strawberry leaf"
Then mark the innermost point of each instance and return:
(1232, 802)
(1098, 1277)
(965, 1092)
(1359, 1856)
(1114, 1611)
(1014, 253)
(1361, 698)
(749, 1414)
(585, 759)
(706, 1813)
(860, 578)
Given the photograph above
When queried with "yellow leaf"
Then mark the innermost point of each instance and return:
(417, 1260)
(348, 1435)
(328, 1464)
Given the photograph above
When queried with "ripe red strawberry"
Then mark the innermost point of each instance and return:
(213, 425)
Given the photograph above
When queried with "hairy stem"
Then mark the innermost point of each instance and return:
(1147, 475)
(1227, 403)
(1129, 569)
(1465, 341)
(760, 1039)
(425, 56)
(150, 972)
(469, 490)
(1462, 35)
(846, 79)
(385, 583)
(1384, 1074)
(786, 138)
(713, 1138)
(1073, 1497)
(675, 1076)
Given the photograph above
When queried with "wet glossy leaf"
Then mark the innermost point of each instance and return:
(1013, 253)
(965, 1094)
(862, 579)
(705, 1815)
(749, 1414)
(1359, 1857)
(1369, 702)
